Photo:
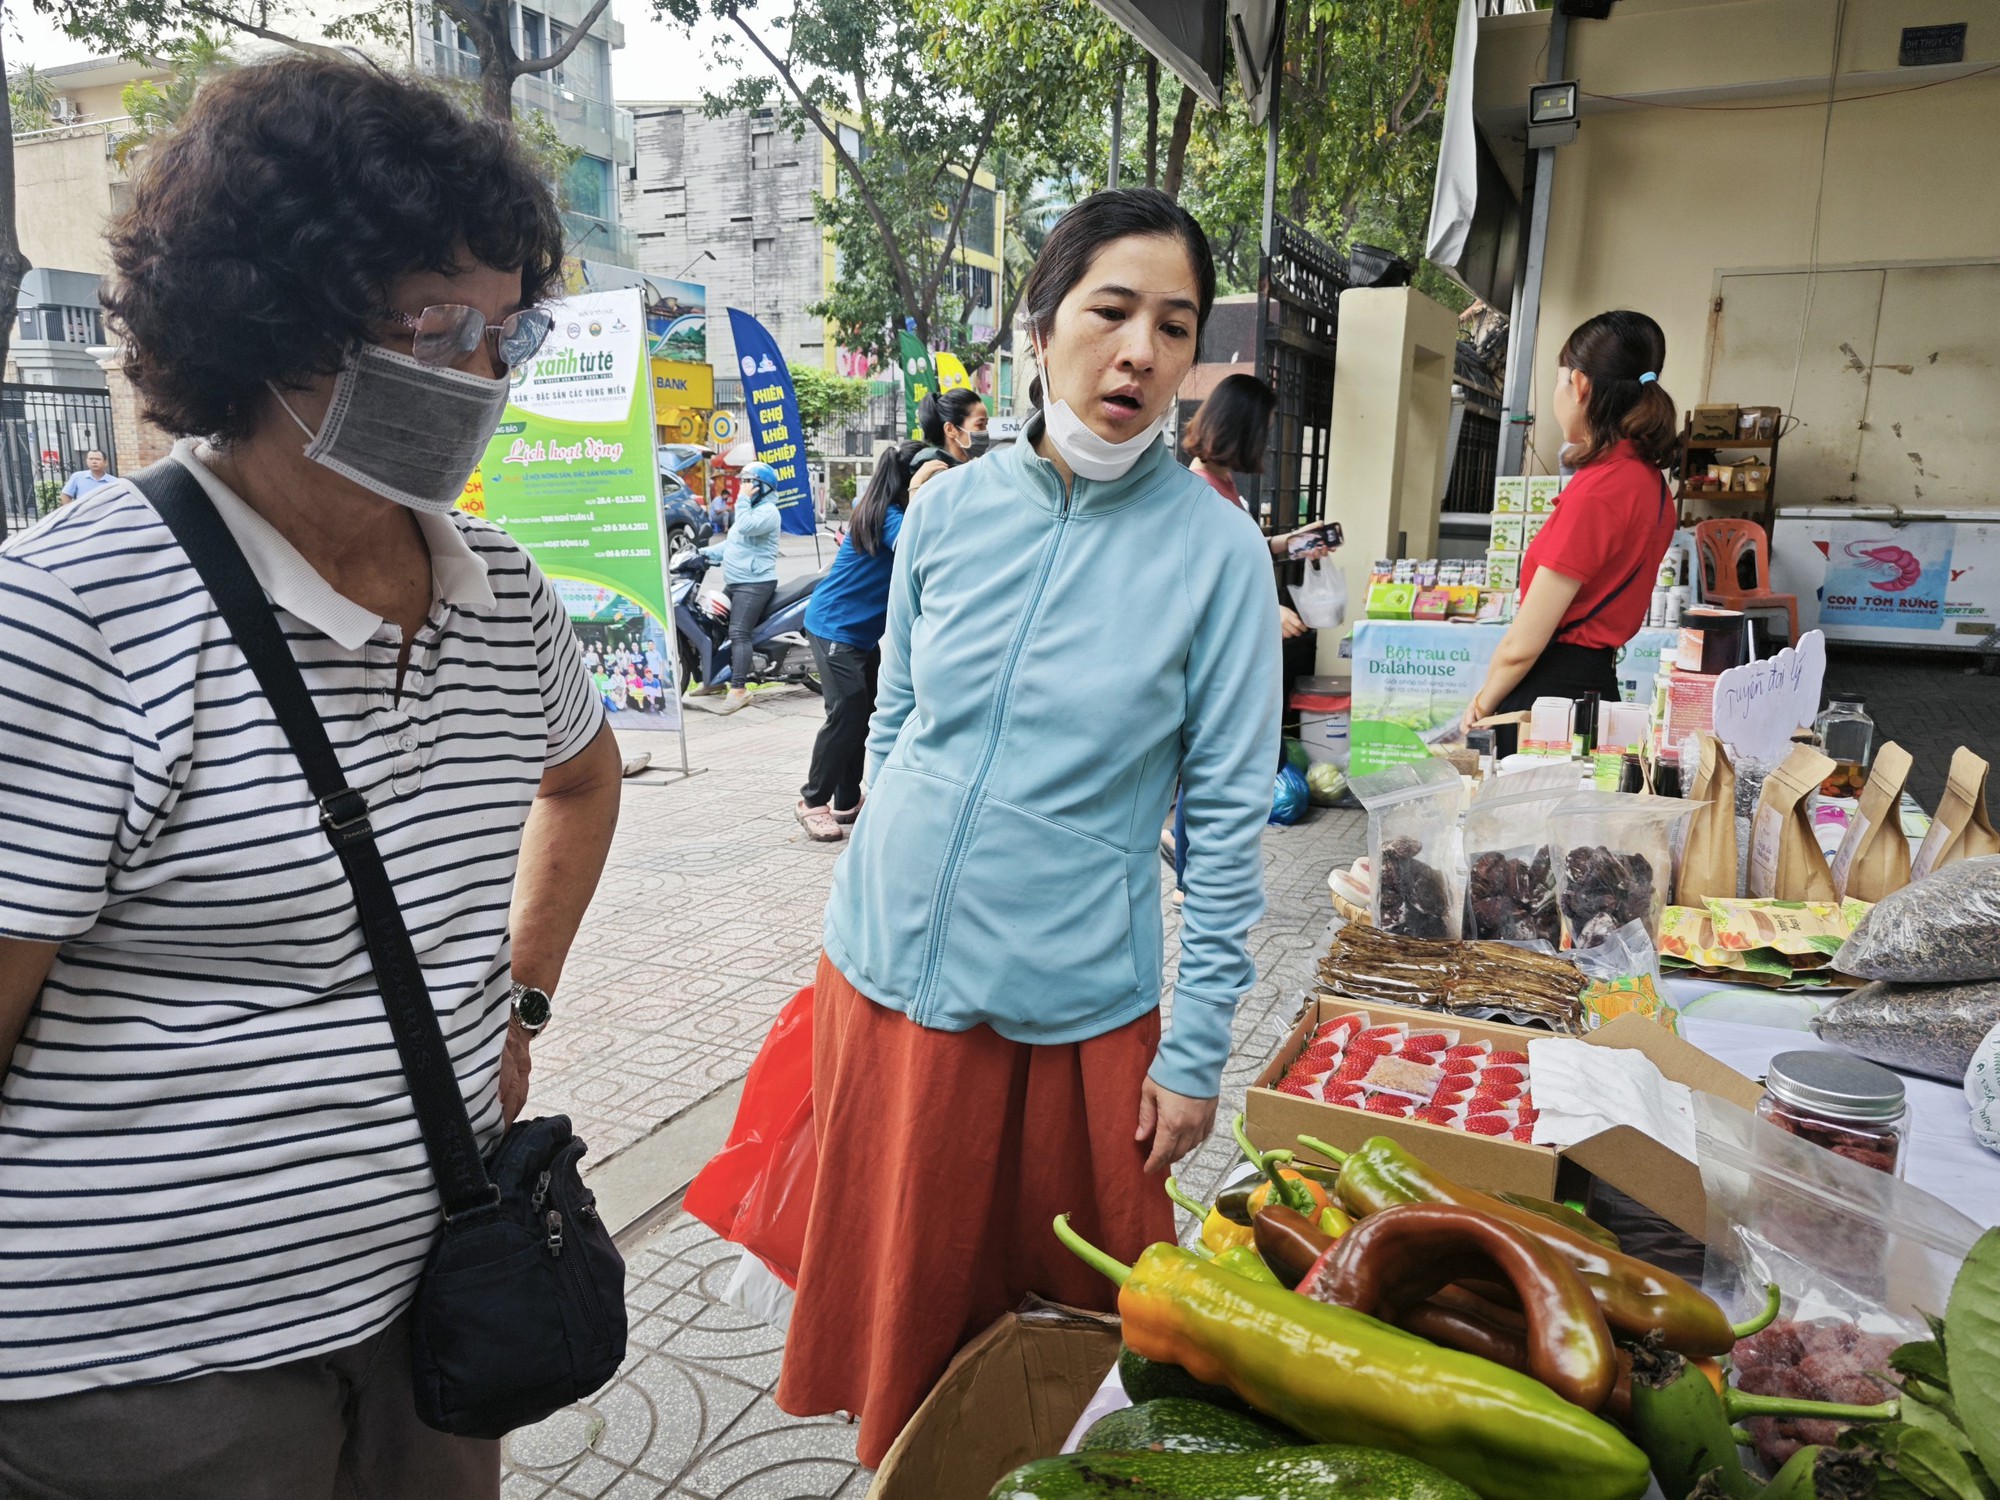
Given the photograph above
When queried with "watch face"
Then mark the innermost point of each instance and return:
(531, 1006)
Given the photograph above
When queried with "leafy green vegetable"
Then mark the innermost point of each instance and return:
(1911, 1461)
(1972, 1349)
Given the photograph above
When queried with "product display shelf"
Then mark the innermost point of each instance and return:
(1765, 498)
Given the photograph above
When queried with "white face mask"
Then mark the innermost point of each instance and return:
(1088, 455)
(408, 431)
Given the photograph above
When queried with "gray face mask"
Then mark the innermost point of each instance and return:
(408, 431)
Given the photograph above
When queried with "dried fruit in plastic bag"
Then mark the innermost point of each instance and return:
(1931, 1029)
(1945, 927)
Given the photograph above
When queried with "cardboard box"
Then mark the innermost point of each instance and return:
(1391, 601)
(1542, 492)
(1532, 525)
(1509, 533)
(1010, 1396)
(1628, 1159)
(1503, 571)
(1510, 495)
(1712, 424)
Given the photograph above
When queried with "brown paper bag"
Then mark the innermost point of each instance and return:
(1785, 858)
(1708, 861)
(1874, 856)
(1962, 829)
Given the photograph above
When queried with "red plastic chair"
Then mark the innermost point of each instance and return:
(1721, 545)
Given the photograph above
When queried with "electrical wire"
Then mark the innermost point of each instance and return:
(1719, 109)
(1819, 199)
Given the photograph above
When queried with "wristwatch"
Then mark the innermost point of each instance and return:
(531, 1008)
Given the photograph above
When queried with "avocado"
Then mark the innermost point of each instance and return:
(1174, 1424)
(1322, 1472)
(1149, 1379)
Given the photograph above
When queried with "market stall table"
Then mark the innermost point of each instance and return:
(1414, 678)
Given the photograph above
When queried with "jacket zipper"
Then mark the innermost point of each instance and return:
(948, 873)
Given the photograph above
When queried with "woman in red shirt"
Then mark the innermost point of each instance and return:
(1588, 577)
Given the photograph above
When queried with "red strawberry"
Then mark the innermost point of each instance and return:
(1427, 1041)
(1295, 1086)
(1460, 1065)
(1354, 1068)
(1388, 1104)
(1433, 1115)
(1337, 1092)
(1394, 1031)
(1525, 1133)
(1487, 1124)
(1511, 1057)
(1496, 1093)
(1492, 1074)
(1339, 1027)
(1466, 1049)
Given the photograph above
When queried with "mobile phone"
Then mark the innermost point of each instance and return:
(1322, 534)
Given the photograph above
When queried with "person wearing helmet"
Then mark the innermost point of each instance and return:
(749, 572)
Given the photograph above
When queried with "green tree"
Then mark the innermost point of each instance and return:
(913, 103)
(142, 28)
(156, 108)
(826, 399)
(31, 98)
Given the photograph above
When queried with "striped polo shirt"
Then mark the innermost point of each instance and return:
(208, 1157)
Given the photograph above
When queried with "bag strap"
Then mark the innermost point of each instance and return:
(447, 1131)
(1630, 579)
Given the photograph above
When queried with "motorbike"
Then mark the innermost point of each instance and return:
(684, 517)
(781, 652)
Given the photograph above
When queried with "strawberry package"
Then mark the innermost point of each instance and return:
(1415, 1073)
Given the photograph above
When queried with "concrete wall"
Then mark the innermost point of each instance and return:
(66, 189)
(1652, 203)
(691, 188)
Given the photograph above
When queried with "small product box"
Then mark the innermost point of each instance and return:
(1533, 527)
(1713, 424)
(1433, 603)
(1503, 571)
(1509, 533)
(1542, 492)
(1464, 601)
(1510, 495)
(1390, 600)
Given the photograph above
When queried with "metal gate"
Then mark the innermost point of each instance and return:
(45, 431)
(1299, 304)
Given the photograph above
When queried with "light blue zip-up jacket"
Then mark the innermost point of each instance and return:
(1053, 664)
(750, 551)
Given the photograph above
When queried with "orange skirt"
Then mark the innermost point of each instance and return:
(943, 1157)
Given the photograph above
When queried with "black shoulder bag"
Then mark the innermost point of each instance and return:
(521, 1309)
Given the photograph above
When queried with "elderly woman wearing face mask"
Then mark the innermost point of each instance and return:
(1075, 622)
(218, 1200)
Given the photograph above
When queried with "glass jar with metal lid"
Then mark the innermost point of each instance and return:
(1853, 1107)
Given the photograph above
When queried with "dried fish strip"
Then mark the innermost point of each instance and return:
(1365, 963)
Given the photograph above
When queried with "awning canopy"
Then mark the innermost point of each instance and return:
(1193, 38)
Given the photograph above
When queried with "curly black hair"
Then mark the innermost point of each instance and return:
(263, 235)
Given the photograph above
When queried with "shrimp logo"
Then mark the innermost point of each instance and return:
(1896, 568)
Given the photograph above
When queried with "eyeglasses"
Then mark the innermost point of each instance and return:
(445, 334)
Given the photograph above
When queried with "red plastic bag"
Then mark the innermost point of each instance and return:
(757, 1190)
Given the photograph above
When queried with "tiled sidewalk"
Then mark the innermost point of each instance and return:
(706, 922)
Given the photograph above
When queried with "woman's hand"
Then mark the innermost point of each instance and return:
(1290, 626)
(1473, 714)
(934, 467)
(1174, 1123)
(1281, 544)
(515, 1065)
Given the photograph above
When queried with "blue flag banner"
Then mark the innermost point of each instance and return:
(773, 409)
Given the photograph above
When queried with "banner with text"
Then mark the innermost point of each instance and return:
(1879, 574)
(773, 408)
(570, 475)
(920, 376)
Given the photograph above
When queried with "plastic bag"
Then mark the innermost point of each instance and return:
(1943, 928)
(1624, 975)
(1288, 797)
(1614, 859)
(1929, 1029)
(1841, 1240)
(757, 1190)
(1413, 847)
(1982, 1091)
(1325, 783)
(1510, 893)
(1321, 599)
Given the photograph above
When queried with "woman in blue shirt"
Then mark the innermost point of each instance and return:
(749, 573)
(845, 619)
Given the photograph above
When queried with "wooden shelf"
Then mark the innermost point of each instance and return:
(1703, 445)
(1724, 494)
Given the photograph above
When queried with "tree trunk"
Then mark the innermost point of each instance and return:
(1178, 145)
(13, 264)
(1152, 121)
(1117, 126)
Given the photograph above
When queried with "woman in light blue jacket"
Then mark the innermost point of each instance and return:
(749, 557)
(1075, 623)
